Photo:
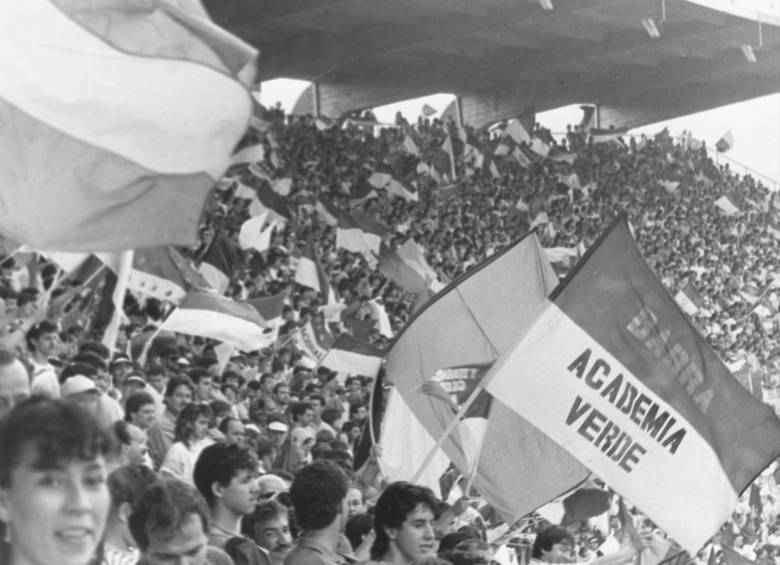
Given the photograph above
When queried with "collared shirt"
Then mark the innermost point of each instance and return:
(161, 437)
(309, 551)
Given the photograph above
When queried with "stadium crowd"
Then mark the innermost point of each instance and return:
(162, 452)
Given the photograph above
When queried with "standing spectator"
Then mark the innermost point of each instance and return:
(318, 494)
(178, 394)
(14, 382)
(190, 439)
(169, 524)
(41, 342)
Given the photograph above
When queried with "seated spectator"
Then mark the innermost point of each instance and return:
(191, 437)
(269, 527)
(140, 410)
(178, 394)
(132, 443)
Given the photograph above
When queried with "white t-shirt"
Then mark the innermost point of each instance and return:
(180, 460)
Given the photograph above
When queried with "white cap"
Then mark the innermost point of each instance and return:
(77, 384)
(278, 426)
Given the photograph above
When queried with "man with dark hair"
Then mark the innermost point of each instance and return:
(404, 524)
(178, 393)
(132, 444)
(169, 524)
(318, 406)
(14, 382)
(41, 342)
(269, 527)
(225, 476)
(318, 494)
(233, 431)
(281, 396)
(556, 545)
(202, 379)
(140, 410)
(302, 414)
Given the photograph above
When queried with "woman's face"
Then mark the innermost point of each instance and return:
(55, 515)
(201, 428)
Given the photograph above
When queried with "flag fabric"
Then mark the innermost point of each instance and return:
(164, 273)
(725, 143)
(327, 212)
(482, 313)
(220, 262)
(118, 299)
(517, 131)
(412, 143)
(727, 205)
(689, 299)
(351, 355)
(107, 171)
(408, 268)
(314, 340)
(584, 503)
(207, 314)
(270, 307)
(428, 110)
(614, 372)
(560, 156)
(540, 147)
(450, 151)
(359, 234)
(732, 557)
(251, 154)
(588, 121)
(255, 234)
(607, 135)
(404, 189)
(310, 273)
(380, 176)
(277, 204)
(669, 186)
(524, 156)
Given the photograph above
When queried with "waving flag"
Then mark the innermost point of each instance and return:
(95, 158)
(689, 299)
(408, 268)
(727, 205)
(163, 273)
(413, 143)
(220, 262)
(482, 314)
(314, 340)
(359, 234)
(725, 143)
(269, 200)
(255, 234)
(607, 135)
(209, 315)
(613, 371)
(351, 355)
(310, 273)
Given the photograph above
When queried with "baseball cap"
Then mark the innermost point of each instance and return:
(278, 426)
(135, 379)
(77, 384)
(121, 358)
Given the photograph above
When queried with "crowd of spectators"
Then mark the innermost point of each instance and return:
(261, 458)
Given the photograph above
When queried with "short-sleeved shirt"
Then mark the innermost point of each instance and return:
(308, 551)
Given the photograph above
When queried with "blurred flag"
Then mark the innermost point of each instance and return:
(164, 273)
(106, 170)
(314, 340)
(278, 205)
(207, 314)
(351, 355)
(725, 143)
(607, 135)
(428, 111)
(689, 299)
(310, 273)
(220, 262)
(727, 205)
(611, 369)
(588, 121)
(360, 234)
(255, 234)
(412, 142)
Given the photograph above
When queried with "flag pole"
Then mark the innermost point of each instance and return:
(447, 431)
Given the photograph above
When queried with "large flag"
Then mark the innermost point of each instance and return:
(255, 234)
(209, 315)
(481, 314)
(314, 340)
(614, 372)
(164, 273)
(220, 262)
(310, 273)
(270, 309)
(267, 199)
(96, 159)
(413, 143)
(351, 355)
(516, 130)
(359, 234)
(607, 135)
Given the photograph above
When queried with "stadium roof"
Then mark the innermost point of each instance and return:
(502, 55)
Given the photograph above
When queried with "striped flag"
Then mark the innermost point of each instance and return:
(482, 314)
(328, 212)
(270, 309)
(351, 355)
(404, 189)
(310, 273)
(518, 132)
(97, 159)
(255, 234)
(408, 268)
(207, 314)
(727, 205)
(359, 234)
(164, 273)
(614, 372)
(267, 199)
(314, 340)
(251, 154)
(220, 263)
(428, 110)
(689, 299)
(560, 156)
(413, 143)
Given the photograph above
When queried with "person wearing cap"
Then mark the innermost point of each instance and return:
(277, 432)
(81, 391)
(121, 366)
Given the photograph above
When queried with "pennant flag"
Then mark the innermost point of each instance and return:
(350, 355)
(725, 143)
(360, 234)
(727, 205)
(164, 273)
(220, 263)
(270, 307)
(104, 171)
(540, 219)
(614, 372)
(689, 299)
(413, 143)
(428, 111)
(314, 339)
(207, 314)
(278, 205)
(251, 154)
(310, 273)
(255, 234)
(588, 121)
(539, 147)
(245, 192)
(607, 135)
(484, 312)
(522, 205)
(403, 189)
